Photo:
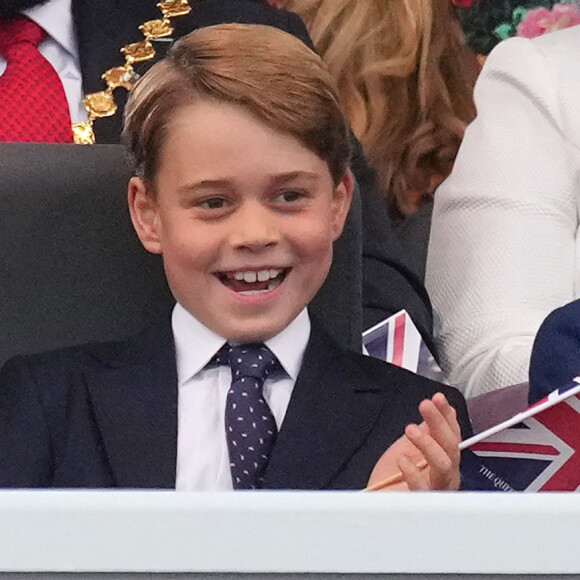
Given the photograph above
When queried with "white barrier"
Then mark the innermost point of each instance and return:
(289, 532)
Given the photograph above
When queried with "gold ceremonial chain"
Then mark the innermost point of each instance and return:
(102, 104)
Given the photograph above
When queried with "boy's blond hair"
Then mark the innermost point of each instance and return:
(266, 71)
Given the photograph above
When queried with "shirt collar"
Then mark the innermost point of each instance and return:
(195, 344)
(290, 344)
(56, 18)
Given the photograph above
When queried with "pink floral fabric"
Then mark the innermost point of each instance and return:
(541, 20)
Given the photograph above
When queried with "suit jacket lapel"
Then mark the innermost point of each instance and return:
(135, 402)
(326, 421)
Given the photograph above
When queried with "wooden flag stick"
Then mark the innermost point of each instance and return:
(397, 478)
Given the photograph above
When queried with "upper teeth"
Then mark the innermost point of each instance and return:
(252, 276)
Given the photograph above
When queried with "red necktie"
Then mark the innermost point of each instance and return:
(33, 105)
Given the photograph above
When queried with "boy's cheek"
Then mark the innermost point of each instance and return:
(314, 235)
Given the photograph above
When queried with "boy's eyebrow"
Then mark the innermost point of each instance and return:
(275, 179)
(204, 183)
(281, 178)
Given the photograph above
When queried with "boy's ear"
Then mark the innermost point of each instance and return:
(143, 210)
(341, 202)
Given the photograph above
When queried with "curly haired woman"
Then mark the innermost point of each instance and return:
(405, 78)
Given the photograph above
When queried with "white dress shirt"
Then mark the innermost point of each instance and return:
(202, 453)
(60, 49)
(505, 238)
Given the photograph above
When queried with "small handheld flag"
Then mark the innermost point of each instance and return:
(536, 450)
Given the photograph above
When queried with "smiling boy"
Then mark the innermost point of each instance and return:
(246, 244)
(240, 153)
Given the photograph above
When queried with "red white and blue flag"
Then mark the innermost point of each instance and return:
(396, 340)
(537, 450)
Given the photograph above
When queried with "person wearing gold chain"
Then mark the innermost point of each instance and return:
(97, 48)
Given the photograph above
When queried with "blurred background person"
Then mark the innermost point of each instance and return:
(54, 52)
(405, 79)
(555, 358)
(505, 232)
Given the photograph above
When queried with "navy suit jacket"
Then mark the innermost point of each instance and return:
(105, 415)
(555, 359)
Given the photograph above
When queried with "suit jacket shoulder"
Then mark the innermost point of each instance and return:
(555, 359)
(98, 415)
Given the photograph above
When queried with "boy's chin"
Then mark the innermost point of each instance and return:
(254, 331)
(250, 337)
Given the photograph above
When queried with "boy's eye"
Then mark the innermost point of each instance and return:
(290, 196)
(213, 203)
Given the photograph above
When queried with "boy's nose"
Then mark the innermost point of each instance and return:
(255, 227)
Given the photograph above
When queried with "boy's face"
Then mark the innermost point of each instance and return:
(245, 218)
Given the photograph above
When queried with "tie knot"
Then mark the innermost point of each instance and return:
(248, 360)
(16, 31)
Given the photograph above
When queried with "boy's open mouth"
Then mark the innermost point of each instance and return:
(253, 281)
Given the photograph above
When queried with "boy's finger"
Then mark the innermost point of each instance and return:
(444, 469)
(440, 429)
(447, 411)
(415, 478)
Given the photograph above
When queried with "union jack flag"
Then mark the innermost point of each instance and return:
(538, 450)
(396, 340)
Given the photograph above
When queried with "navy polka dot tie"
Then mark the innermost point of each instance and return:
(250, 426)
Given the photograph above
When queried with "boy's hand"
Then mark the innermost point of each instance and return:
(435, 441)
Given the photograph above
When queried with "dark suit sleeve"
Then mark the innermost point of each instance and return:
(25, 454)
(555, 359)
(389, 282)
(457, 401)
